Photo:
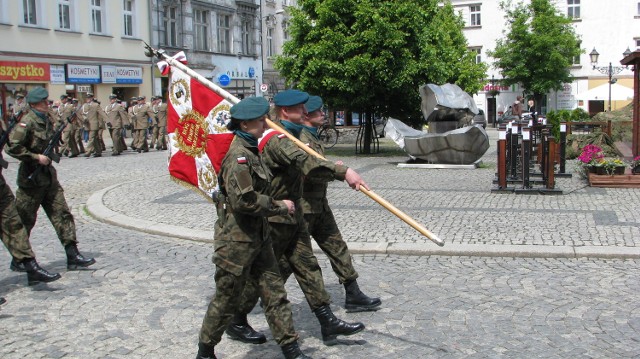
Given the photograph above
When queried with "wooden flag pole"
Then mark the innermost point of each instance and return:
(151, 52)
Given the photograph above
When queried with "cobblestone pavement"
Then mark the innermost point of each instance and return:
(147, 294)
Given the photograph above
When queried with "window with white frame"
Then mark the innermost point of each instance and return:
(128, 8)
(64, 14)
(170, 23)
(98, 23)
(637, 40)
(270, 44)
(474, 15)
(201, 21)
(573, 9)
(247, 31)
(32, 12)
(478, 52)
(638, 8)
(224, 33)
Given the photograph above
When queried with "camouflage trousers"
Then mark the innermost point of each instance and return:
(324, 230)
(14, 235)
(52, 200)
(292, 245)
(236, 264)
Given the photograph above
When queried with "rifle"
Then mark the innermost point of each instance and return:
(13, 121)
(53, 143)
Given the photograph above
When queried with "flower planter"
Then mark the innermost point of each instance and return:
(601, 170)
(619, 170)
(636, 170)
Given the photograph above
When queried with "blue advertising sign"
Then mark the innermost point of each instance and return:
(83, 74)
(252, 72)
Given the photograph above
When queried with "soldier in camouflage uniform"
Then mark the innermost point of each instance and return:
(242, 243)
(19, 105)
(37, 180)
(291, 240)
(15, 237)
(78, 126)
(321, 222)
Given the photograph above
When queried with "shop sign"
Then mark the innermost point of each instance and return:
(128, 75)
(57, 74)
(24, 71)
(108, 74)
(83, 74)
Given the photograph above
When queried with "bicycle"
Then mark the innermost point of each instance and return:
(328, 135)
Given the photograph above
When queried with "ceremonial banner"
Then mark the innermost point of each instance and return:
(197, 121)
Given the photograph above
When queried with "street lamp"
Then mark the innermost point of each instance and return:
(608, 70)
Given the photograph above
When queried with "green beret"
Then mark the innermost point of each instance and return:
(250, 108)
(37, 94)
(290, 98)
(314, 103)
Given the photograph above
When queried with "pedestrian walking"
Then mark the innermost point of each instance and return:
(321, 222)
(291, 240)
(242, 241)
(37, 179)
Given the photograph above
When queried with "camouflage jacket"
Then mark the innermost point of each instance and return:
(289, 164)
(29, 138)
(244, 201)
(314, 192)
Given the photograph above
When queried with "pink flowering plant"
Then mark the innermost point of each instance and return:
(591, 155)
(635, 163)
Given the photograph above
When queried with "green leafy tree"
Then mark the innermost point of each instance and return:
(371, 56)
(538, 48)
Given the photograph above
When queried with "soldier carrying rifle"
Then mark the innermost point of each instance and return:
(37, 180)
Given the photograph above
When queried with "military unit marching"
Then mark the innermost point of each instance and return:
(34, 122)
(272, 202)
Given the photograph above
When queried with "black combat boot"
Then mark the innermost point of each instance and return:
(239, 329)
(17, 266)
(332, 326)
(205, 351)
(75, 259)
(36, 274)
(356, 301)
(292, 351)
(2, 301)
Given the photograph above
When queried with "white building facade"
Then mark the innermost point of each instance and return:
(611, 27)
(74, 47)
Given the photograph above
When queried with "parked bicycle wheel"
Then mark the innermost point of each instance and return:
(328, 136)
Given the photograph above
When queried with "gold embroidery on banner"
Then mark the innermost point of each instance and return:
(220, 117)
(207, 179)
(191, 134)
(179, 92)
